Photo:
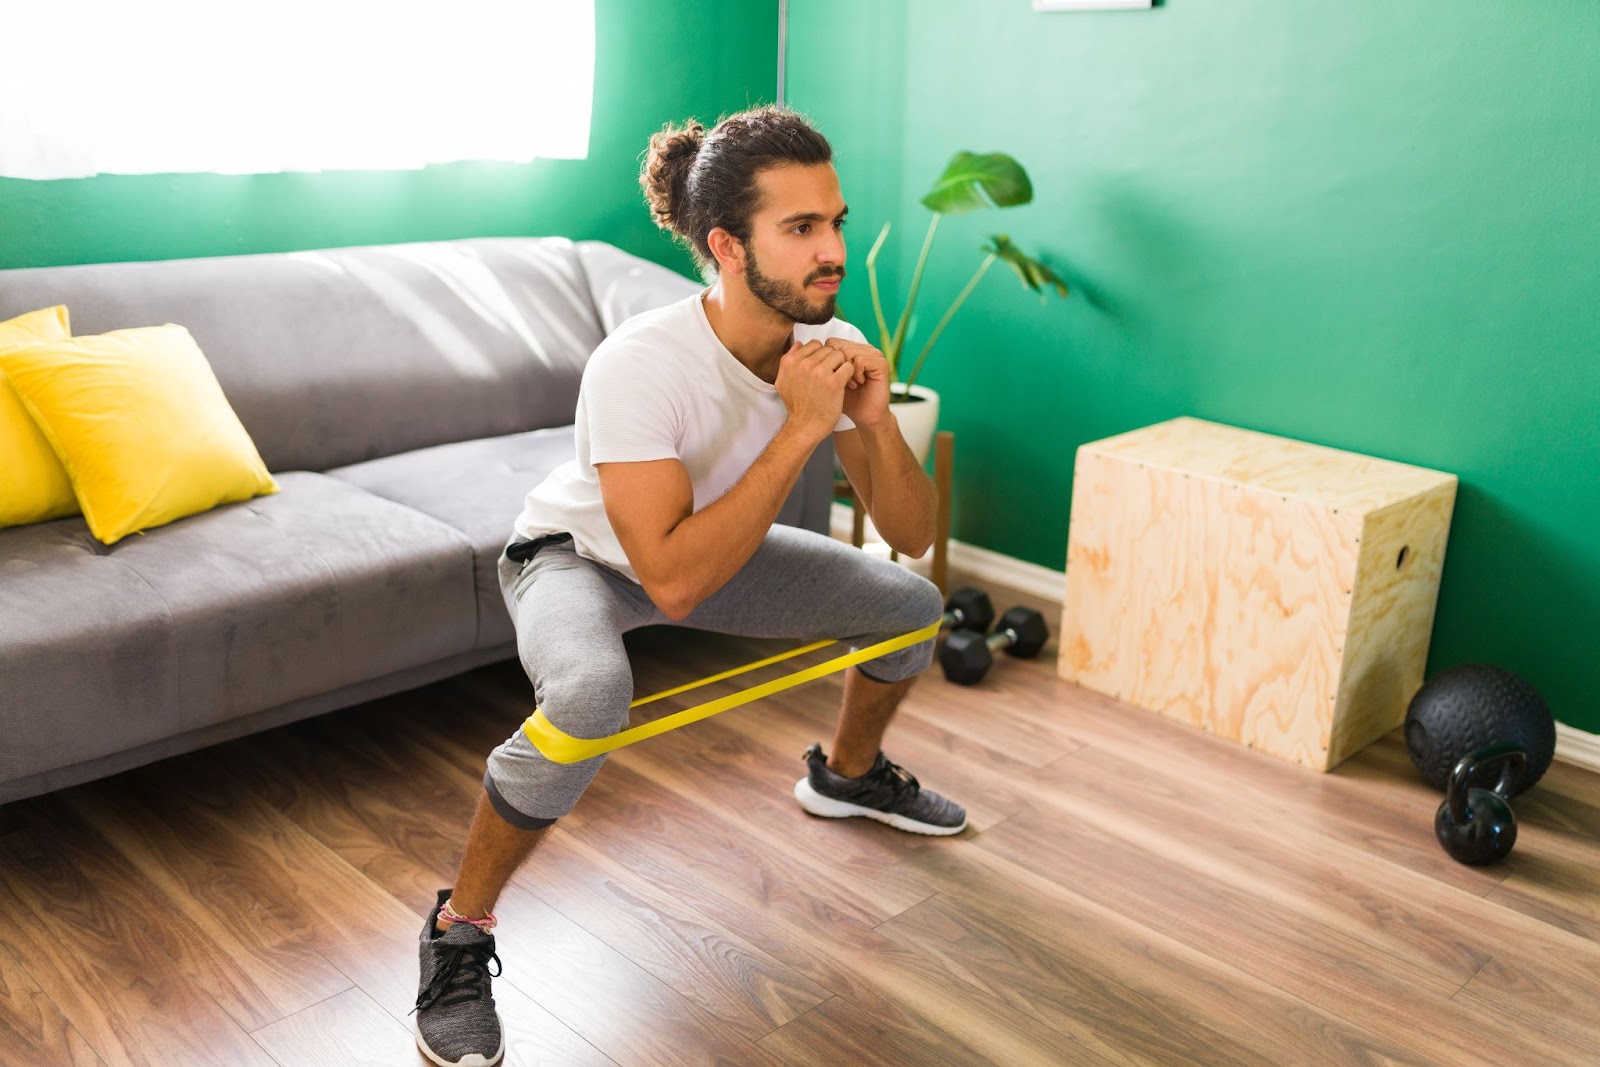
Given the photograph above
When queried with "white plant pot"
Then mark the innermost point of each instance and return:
(918, 416)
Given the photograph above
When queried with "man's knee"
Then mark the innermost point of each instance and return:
(913, 604)
(589, 700)
(525, 787)
(926, 601)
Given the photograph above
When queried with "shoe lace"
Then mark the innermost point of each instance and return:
(464, 976)
(900, 781)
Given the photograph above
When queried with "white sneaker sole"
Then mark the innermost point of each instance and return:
(472, 1060)
(828, 808)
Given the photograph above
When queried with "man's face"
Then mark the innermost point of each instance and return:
(799, 232)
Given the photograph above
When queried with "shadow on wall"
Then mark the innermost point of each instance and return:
(1135, 357)
(1525, 583)
(1111, 358)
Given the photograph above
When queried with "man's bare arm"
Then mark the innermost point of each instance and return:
(683, 556)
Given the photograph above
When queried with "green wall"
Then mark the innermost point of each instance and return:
(643, 78)
(1367, 225)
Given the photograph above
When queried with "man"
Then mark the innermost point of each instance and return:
(693, 424)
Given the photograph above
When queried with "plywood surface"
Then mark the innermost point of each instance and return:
(1327, 477)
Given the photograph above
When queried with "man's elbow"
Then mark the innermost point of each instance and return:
(676, 611)
(917, 544)
(673, 602)
(914, 549)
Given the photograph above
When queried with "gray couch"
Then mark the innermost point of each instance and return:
(406, 398)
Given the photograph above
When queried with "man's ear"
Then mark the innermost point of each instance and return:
(728, 250)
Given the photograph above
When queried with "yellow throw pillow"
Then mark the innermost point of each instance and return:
(141, 424)
(33, 484)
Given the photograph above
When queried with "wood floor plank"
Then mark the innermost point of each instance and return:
(1239, 842)
(336, 778)
(1125, 989)
(774, 913)
(1100, 1013)
(104, 947)
(351, 1029)
(363, 931)
(976, 715)
(702, 960)
(203, 874)
(358, 815)
(1371, 801)
(674, 832)
(915, 1031)
(1556, 891)
(1319, 964)
(347, 1030)
(602, 996)
(536, 1038)
(1526, 987)
(361, 928)
(569, 973)
(1572, 782)
(754, 802)
(1340, 878)
(32, 1029)
(1563, 824)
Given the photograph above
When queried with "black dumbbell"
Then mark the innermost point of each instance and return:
(967, 609)
(967, 656)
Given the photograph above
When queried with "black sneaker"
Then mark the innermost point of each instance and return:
(888, 793)
(456, 1024)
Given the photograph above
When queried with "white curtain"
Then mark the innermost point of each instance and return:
(161, 86)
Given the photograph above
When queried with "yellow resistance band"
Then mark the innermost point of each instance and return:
(561, 747)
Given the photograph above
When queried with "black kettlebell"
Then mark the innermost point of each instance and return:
(1477, 825)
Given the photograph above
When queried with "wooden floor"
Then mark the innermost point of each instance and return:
(1130, 892)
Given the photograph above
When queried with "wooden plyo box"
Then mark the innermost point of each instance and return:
(1277, 593)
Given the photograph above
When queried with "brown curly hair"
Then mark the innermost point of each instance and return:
(695, 181)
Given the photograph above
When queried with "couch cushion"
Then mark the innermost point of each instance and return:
(478, 488)
(216, 616)
(623, 285)
(335, 356)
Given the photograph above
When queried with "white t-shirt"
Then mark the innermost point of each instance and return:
(662, 386)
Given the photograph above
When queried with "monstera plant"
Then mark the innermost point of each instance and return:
(971, 182)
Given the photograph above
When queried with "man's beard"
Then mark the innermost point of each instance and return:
(787, 299)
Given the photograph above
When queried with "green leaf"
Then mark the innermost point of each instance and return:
(1033, 273)
(973, 182)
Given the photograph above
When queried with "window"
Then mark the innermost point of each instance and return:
(112, 87)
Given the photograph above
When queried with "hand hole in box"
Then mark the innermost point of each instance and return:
(1405, 554)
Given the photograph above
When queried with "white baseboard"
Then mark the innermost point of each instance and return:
(1573, 746)
(1577, 747)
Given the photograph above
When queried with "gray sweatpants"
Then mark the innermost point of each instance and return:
(571, 613)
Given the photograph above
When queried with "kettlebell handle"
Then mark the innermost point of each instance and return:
(1512, 757)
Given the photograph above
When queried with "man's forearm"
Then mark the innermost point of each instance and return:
(904, 501)
(706, 549)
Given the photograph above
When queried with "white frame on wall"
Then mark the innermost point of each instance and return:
(1089, 5)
